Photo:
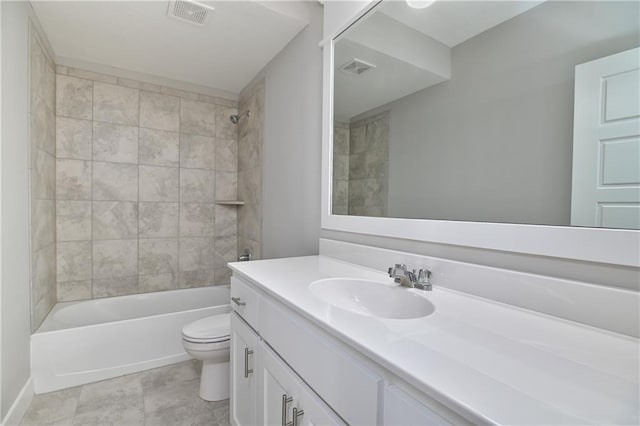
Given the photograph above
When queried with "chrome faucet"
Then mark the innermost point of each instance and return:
(408, 278)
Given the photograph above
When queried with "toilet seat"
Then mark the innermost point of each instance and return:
(213, 329)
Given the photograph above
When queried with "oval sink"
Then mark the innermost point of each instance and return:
(372, 298)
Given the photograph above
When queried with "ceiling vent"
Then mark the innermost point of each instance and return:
(356, 67)
(190, 11)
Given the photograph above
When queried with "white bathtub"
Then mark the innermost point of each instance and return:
(92, 340)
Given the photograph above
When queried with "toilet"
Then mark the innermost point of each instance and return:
(208, 340)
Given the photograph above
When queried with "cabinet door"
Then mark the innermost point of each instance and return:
(277, 385)
(401, 409)
(311, 410)
(244, 348)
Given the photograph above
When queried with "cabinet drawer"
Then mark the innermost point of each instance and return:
(350, 388)
(244, 300)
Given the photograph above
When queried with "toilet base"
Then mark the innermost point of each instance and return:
(214, 382)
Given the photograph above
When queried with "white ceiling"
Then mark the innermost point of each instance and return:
(452, 22)
(238, 40)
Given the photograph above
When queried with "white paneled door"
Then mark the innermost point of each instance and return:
(606, 143)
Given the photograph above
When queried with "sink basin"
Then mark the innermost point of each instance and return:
(372, 298)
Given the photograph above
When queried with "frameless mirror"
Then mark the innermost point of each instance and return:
(522, 112)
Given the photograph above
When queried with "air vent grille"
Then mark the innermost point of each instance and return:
(189, 11)
(357, 67)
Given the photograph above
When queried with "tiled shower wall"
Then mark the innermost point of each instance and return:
(360, 166)
(42, 135)
(138, 172)
(250, 170)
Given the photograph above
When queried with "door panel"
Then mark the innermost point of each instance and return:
(314, 411)
(606, 145)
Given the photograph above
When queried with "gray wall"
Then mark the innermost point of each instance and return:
(292, 145)
(14, 286)
(495, 142)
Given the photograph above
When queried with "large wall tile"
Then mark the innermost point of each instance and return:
(225, 129)
(43, 126)
(115, 182)
(226, 155)
(74, 97)
(115, 258)
(159, 183)
(74, 261)
(115, 104)
(196, 220)
(120, 286)
(160, 112)
(43, 167)
(197, 118)
(158, 220)
(196, 186)
(157, 282)
(43, 219)
(197, 152)
(115, 220)
(73, 180)
(159, 148)
(73, 220)
(158, 256)
(222, 276)
(226, 186)
(226, 221)
(225, 250)
(74, 290)
(115, 143)
(73, 138)
(196, 254)
(198, 278)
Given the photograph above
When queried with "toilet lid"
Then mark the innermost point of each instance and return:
(210, 329)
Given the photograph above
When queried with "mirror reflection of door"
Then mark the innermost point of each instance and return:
(606, 145)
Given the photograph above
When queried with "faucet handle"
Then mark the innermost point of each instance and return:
(424, 275)
(397, 269)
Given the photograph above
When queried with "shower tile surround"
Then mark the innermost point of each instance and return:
(250, 131)
(42, 174)
(360, 162)
(138, 170)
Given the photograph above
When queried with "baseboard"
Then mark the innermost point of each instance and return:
(20, 405)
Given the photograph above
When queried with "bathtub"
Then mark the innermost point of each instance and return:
(92, 340)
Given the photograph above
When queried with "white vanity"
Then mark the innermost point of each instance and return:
(297, 358)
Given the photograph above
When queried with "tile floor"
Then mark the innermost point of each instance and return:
(163, 396)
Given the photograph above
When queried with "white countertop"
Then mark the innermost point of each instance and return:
(492, 361)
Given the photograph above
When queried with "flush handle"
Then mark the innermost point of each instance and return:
(238, 301)
(247, 371)
(285, 401)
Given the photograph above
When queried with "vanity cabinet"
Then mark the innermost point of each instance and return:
(286, 371)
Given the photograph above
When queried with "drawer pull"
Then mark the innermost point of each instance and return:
(238, 301)
(247, 371)
(297, 413)
(285, 400)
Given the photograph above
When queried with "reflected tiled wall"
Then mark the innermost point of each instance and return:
(42, 135)
(250, 170)
(340, 189)
(139, 168)
(368, 165)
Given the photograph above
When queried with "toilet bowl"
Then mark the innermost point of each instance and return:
(208, 340)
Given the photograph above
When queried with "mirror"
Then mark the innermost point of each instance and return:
(524, 112)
